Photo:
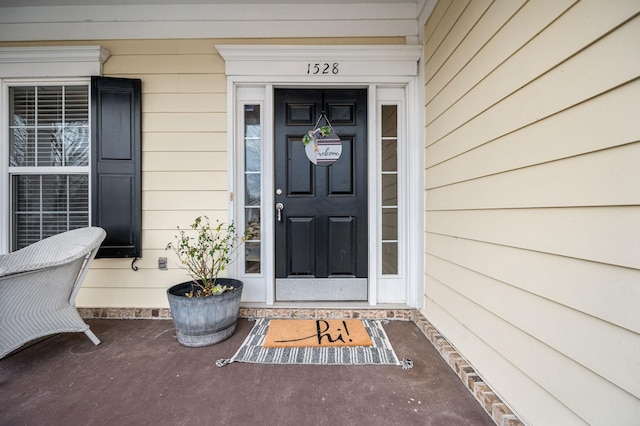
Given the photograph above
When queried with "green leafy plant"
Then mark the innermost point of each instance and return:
(205, 251)
(325, 131)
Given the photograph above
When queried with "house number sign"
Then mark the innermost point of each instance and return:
(323, 68)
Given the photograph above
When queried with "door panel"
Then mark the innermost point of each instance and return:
(342, 249)
(342, 177)
(301, 233)
(322, 236)
(300, 171)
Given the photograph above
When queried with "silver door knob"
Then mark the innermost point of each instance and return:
(279, 207)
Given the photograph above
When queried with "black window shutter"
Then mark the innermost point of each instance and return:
(116, 132)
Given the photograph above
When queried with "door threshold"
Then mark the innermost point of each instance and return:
(324, 290)
(325, 305)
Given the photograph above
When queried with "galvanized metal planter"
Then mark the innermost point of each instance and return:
(204, 321)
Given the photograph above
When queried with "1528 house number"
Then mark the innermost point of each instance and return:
(323, 68)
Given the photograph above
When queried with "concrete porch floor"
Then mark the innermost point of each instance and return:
(141, 375)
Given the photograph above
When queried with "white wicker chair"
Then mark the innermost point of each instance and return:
(38, 287)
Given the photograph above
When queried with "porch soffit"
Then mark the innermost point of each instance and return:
(31, 20)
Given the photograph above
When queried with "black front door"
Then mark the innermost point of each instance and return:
(321, 242)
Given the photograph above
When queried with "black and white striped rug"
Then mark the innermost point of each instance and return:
(381, 353)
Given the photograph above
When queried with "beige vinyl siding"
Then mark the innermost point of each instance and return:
(532, 264)
(184, 162)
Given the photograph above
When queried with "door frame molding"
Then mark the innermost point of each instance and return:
(345, 288)
(259, 69)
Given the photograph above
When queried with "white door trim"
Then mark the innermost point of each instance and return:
(259, 69)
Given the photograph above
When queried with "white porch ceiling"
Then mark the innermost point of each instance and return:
(31, 3)
(36, 20)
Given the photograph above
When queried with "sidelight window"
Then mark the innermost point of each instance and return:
(389, 189)
(252, 184)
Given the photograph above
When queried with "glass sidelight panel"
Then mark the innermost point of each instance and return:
(389, 189)
(252, 184)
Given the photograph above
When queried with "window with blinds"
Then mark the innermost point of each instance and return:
(48, 160)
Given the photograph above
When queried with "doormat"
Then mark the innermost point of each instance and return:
(316, 333)
(380, 353)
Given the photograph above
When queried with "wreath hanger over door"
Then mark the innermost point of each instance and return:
(322, 145)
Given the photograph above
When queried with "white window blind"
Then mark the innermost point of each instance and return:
(48, 160)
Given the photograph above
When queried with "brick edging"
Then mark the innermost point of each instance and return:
(310, 313)
(124, 313)
(492, 404)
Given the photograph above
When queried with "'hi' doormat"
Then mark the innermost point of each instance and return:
(379, 353)
(316, 333)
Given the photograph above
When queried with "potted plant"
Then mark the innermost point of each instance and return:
(205, 309)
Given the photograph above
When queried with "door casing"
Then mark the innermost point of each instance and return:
(250, 80)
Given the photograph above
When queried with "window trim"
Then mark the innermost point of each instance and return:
(7, 238)
(52, 61)
(398, 97)
(254, 289)
(38, 66)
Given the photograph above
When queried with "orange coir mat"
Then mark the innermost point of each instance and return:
(316, 334)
